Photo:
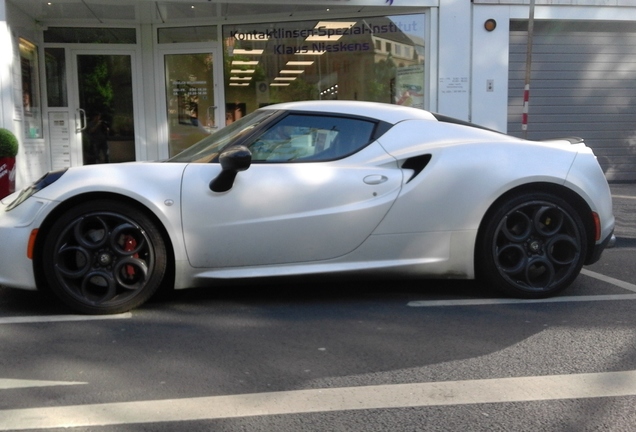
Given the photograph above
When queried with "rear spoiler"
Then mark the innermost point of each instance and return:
(571, 140)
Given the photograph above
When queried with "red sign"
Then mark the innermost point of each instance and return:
(7, 176)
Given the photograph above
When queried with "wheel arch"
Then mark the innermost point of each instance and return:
(45, 227)
(571, 197)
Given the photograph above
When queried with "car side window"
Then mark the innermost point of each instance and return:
(299, 137)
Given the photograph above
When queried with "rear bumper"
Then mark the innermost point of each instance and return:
(608, 242)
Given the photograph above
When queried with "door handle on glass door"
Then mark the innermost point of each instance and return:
(82, 120)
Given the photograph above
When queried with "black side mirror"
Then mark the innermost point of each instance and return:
(233, 160)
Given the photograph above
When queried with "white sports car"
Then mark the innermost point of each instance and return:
(307, 188)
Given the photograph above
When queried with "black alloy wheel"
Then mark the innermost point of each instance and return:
(532, 246)
(104, 257)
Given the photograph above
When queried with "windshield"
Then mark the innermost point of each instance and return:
(209, 147)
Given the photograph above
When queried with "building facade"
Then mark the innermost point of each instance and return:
(98, 81)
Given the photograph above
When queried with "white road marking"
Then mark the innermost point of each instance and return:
(6, 384)
(61, 318)
(480, 302)
(501, 390)
(624, 196)
(497, 301)
(610, 280)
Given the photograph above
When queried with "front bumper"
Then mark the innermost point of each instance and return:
(16, 269)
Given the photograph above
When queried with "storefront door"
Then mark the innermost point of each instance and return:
(91, 114)
(103, 108)
(192, 108)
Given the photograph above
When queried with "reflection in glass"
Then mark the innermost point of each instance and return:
(378, 59)
(31, 106)
(190, 99)
(105, 93)
(91, 34)
(167, 35)
(55, 64)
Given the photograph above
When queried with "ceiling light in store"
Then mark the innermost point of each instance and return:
(244, 63)
(292, 71)
(279, 84)
(284, 78)
(300, 63)
(247, 51)
(239, 84)
(243, 71)
(235, 78)
(331, 29)
(331, 91)
(335, 24)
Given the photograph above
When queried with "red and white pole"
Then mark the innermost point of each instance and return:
(526, 89)
(524, 112)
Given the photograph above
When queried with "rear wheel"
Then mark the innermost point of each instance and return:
(532, 246)
(104, 257)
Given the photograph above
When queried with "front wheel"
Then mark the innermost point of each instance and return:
(531, 246)
(104, 257)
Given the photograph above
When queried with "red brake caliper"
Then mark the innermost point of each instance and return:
(129, 245)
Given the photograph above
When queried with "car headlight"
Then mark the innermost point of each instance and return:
(43, 182)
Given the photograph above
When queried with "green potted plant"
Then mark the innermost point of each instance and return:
(8, 152)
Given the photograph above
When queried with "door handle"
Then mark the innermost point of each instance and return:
(375, 179)
(82, 123)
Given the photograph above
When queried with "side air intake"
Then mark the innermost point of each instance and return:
(417, 164)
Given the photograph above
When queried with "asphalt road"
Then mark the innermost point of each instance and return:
(315, 355)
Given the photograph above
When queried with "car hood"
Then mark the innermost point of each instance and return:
(139, 180)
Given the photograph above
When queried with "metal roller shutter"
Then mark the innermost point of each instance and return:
(583, 84)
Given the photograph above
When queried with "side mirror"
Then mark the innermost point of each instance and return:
(233, 160)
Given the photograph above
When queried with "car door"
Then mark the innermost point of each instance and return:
(292, 205)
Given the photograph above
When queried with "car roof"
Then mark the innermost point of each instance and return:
(389, 113)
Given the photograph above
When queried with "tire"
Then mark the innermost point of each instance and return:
(531, 246)
(104, 257)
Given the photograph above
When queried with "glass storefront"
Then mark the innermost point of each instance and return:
(372, 59)
(380, 58)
